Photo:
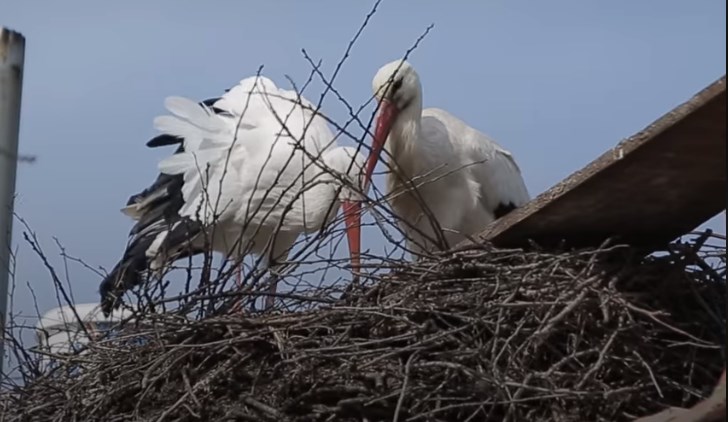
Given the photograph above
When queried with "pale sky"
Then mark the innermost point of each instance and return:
(557, 83)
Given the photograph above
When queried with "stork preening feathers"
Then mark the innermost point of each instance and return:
(463, 179)
(254, 169)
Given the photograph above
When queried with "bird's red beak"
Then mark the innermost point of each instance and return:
(352, 217)
(387, 114)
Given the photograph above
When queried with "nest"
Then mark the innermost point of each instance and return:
(475, 334)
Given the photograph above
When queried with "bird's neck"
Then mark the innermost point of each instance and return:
(320, 202)
(403, 144)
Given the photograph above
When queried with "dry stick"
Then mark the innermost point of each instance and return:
(540, 335)
(400, 400)
(600, 360)
(263, 408)
(652, 375)
(418, 301)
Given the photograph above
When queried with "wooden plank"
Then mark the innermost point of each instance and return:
(712, 409)
(649, 189)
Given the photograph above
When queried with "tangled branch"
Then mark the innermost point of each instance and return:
(474, 334)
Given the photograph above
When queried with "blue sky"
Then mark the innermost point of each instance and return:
(557, 83)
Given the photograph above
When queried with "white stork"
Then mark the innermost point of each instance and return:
(463, 178)
(254, 169)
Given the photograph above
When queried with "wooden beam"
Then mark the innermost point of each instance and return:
(712, 409)
(649, 189)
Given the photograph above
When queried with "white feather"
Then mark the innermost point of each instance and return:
(132, 211)
(245, 169)
(246, 172)
(187, 109)
(171, 125)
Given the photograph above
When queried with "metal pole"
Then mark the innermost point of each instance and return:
(12, 58)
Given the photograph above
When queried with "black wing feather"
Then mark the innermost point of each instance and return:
(164, 140)
(160, 213)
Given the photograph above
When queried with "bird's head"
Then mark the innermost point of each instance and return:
(396, 83)
(396, 86)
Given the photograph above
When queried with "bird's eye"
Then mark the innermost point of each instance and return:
(396, 85)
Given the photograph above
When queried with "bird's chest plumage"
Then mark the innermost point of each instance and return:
(419, 195)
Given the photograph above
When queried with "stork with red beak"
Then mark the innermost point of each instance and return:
(253, 170)
(447, 180)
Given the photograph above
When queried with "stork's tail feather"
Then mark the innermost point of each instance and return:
(126, 274)
(151, 249)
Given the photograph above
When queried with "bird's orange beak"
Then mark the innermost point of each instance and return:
(387, 114)
(352, 217)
